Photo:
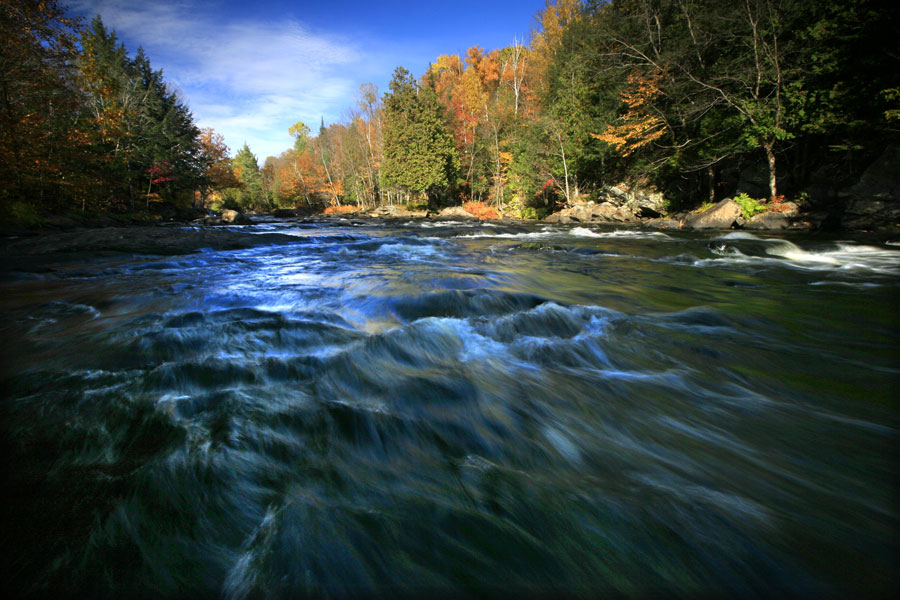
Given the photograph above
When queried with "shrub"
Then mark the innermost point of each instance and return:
(749, 206)
(25, 215)
(481, 210)
(533, 213)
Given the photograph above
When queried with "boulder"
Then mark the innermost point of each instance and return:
(397, 212)
(455, 212)
(605, 210)
(228, 215)
(721, 216)
(870, 213)
(559, 217)
(768, 220)
(788, 209)
(882, 178)
(285, 213)
(649, 205)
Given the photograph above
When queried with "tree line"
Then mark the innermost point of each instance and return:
(684, 96)
(83, 124)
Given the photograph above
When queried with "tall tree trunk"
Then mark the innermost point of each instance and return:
(562, 153)
(770, 158)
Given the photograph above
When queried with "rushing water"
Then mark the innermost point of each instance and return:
(401, 409)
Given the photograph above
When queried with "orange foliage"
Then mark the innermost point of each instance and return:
(341, 209)
(481, 210)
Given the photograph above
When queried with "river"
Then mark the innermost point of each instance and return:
(400, 409)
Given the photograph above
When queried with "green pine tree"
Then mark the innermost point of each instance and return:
(419, 154)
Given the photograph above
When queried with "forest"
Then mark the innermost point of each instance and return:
(691, 98)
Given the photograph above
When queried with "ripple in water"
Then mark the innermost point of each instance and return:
(407, 410)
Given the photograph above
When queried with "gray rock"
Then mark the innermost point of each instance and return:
(606, 211)
(720, 216)
(228, 215)
(663, 223)
(768, 220)
(455, 212)
(866, 206)
(882, 178)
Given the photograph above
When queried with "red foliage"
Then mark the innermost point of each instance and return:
(160, 173)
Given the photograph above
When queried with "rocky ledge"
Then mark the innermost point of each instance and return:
(153, 239)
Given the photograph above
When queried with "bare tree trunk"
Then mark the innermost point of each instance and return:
(562, 154)
(770, 158)
(330, 182)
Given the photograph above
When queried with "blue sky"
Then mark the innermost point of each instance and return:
(250, 69)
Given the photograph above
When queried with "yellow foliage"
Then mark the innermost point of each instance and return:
(640, 125)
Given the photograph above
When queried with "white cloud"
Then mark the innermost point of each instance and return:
(248, 80)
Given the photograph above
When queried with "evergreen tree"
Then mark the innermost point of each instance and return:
(247, 169)
(419, 153)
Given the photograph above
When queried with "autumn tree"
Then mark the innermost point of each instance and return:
(39, 141)
(218, 171)
(136, 122)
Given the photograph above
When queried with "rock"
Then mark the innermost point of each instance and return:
(456, 212)
(871, 213)
(559, 217)
(616, 192)
(606, 210)
(720, 216)
(664, 223)
(285, 213)
(882, 178)
(60, 222)
(624, 215)
(397, 212)
(768, 220)
(788, 209)
(150, 239)
(228, 215)
(649, 205)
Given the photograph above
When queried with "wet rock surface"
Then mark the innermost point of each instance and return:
(164, 240)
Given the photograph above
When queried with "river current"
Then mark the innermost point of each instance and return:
(404, 409)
